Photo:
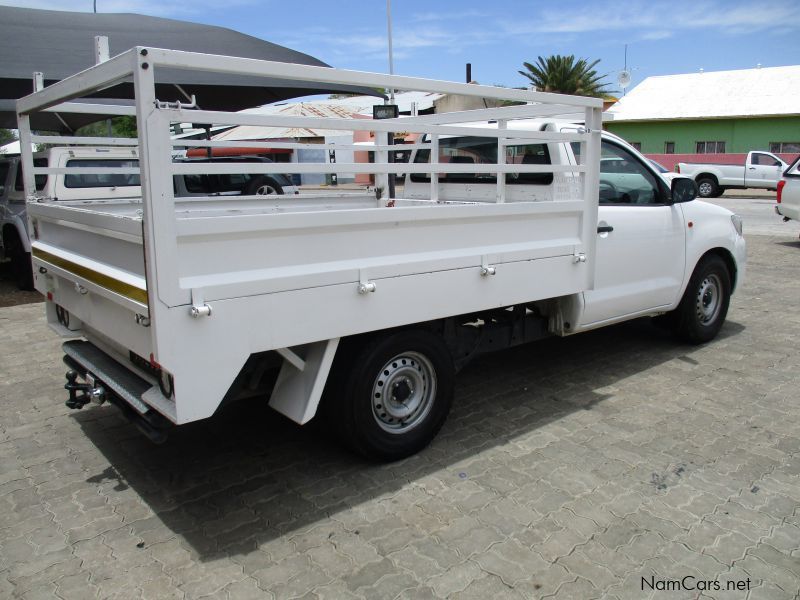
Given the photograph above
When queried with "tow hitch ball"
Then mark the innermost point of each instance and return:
(80, 394)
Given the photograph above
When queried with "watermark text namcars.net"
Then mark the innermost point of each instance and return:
(691, 583)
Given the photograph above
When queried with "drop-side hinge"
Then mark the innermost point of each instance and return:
(365, 286)
(486, 268)
(199, 307)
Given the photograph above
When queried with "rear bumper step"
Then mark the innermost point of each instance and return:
(119, 386)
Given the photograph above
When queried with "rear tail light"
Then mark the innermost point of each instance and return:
(781, 183)
(677, 168)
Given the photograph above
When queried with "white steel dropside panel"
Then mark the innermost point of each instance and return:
(205, 354)
(282, 252)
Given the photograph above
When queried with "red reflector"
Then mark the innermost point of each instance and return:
(781, 183)
(691, 224)
(153, 362)
(50, 296)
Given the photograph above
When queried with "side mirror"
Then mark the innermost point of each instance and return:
(683, 189)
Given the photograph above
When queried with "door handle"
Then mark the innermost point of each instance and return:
(751, 168)
(605, 229)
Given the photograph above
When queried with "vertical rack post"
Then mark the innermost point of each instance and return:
(501, 156)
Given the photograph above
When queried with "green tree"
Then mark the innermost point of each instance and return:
(120, 127)
(6, 136)
(565, 75)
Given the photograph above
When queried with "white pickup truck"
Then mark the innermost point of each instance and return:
(14, 240)
(760, 170)
(788, 199)
(362, 306)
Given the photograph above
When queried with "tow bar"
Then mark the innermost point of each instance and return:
(80, 394)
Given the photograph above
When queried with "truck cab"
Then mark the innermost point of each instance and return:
(650, 239)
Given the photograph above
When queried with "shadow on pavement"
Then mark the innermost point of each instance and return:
(248, 475)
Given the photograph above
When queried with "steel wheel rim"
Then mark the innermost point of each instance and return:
(704, 189)
(709, 299)
(265, 190)
(403, 392)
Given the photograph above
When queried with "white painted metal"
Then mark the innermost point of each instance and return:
(789, 206)
(298, 391)
(101, 53)
(263, 275)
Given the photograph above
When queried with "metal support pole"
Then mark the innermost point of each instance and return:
(390, 135)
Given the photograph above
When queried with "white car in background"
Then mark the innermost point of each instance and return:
(788, 200)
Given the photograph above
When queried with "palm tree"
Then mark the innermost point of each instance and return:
(563, 75)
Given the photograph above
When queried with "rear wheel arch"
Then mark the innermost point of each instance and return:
(704, 175)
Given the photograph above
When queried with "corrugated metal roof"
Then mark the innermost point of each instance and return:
(296, 109)
(769, 91)
(351, 107)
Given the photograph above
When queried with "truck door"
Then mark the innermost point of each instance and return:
(641, 248)
(763, 170)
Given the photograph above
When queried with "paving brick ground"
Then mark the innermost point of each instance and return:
(571, 468)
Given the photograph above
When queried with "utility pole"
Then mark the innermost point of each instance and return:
(390, 135)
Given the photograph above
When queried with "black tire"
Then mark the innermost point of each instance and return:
(417, 366)
(262, 186)
(704, 305)
(707, 187)
(21, 265)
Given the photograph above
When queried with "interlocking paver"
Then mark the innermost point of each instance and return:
(651, 459)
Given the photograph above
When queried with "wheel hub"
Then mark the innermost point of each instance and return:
(403, 392)
(708, 299)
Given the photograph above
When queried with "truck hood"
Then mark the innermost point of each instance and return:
(699, 208)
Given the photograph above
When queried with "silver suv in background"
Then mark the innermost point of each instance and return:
(234, 184)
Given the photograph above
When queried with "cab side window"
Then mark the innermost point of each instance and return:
(474, 150)
(41, 180)
(3, 175)
(625, 180)
(765, 160)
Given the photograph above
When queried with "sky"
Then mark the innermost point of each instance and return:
(437, 38)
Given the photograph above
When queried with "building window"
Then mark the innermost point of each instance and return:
(669, 147)
(637, 145)
(788, 147)
(710, 148)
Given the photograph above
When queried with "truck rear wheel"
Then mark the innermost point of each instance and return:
(704, 305)
(707, 187)
(389, 398)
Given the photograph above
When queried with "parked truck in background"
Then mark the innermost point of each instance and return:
(15, 242)
(362, 307)
(761, 170)
(14, 239)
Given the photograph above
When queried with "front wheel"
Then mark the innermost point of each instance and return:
(389, 398)
(704, 305)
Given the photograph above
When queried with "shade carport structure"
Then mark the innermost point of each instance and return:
(60, 44)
